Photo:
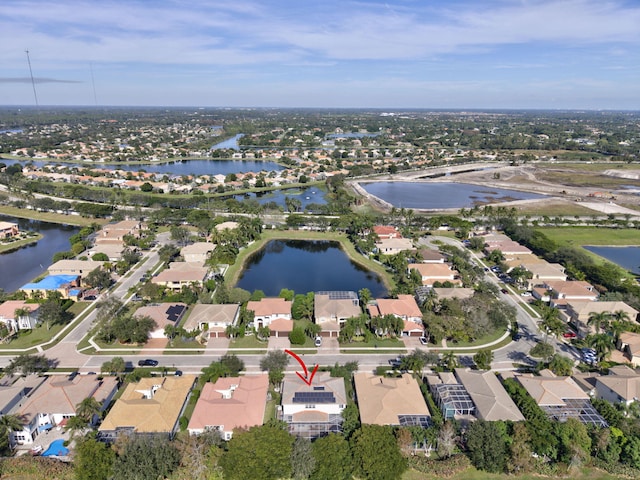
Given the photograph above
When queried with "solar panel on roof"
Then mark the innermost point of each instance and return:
(314, 397)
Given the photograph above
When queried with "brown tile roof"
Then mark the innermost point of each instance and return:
(59, 395)
(404, 306)
(382, 399)
(243, 407)
(211, 314)
(157, 413)
(270, 306)
(8, 308)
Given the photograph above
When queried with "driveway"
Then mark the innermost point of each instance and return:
(329, 345)
(220, 344)
(279, 343)
(411, 343)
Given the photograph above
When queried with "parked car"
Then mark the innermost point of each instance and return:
(423, 340)
(147, 362)
(525, 294)
(178, 373)
(318, 341)
(569, 334)
(505, 291)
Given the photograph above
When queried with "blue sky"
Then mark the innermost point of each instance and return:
(559, 54)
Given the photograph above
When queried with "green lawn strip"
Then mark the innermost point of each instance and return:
(579, 236)
(234, 270)
(10, 246)
(27, 339)
(375, 343)
(585, 473)
(372, 351)
(270, 409)
(50, 216)
(248, 341)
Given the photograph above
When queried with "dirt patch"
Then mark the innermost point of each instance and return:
(155, 343)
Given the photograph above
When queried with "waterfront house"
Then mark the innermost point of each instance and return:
(332, 309)
(9, 230)
(404, 307)
(274, 313)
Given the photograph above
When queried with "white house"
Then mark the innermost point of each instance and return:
(27, 321)
(312, 411)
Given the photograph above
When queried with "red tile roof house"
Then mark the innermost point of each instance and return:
(404, 307)
(331, 312)
(435, 272)
(55, 401)
(23, 322)
(274, 313)
(213, 319)
(386, 231)
(230, 404)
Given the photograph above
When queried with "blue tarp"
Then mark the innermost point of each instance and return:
(52, 282)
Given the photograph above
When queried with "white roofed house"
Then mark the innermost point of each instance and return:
(392, 246)
(315, 410)
(8, 229)
(579, 312)
(621, 385)
(181, 274)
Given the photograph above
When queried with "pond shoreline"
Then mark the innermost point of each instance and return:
(25, 242)
(234, 271)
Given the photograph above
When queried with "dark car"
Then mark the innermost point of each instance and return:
(147, 362)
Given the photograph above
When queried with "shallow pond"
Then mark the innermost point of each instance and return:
(438, 195)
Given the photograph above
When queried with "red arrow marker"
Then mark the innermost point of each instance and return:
(306, 372)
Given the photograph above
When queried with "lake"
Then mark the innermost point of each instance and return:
(23, 265)
(306, 266)
(185, 167)
(627, 257)
(230, 143)
(437, 195)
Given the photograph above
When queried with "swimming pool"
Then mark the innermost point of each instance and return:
(56, 448)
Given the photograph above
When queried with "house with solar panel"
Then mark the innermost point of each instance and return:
(315, 410)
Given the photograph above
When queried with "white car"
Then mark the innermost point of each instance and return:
(318, 341)
(423, 340)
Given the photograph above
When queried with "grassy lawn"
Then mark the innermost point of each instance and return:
(28, 338)
(234, 270)
(555, 208)
(248, 341)
(270, 410)
(578, 236)
(179, 344)
(51, 217)
(473, 474)
(480, 341)
(10, 246)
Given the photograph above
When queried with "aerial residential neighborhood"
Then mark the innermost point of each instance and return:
(247, 330)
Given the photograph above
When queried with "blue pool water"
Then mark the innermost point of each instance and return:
(56, 448)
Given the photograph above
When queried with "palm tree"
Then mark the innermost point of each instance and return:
(74, 425)
(88, 408)
(598, 320)
(8, 424)
(620, 316)
(450, 360)
(602, 343)
(551, 322)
